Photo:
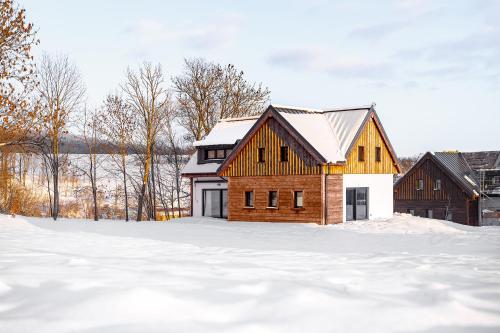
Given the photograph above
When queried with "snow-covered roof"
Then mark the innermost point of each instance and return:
(192, 166)
(227, 131)
(330, 132)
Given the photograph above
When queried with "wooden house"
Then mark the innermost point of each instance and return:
(303, 165)
(440, 185)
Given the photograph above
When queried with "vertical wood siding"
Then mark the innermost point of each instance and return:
(272, 136)
(334, 199)
(370, 138)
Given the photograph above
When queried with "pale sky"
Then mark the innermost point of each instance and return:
(431, 67)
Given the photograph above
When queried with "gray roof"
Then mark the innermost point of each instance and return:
(331, 132)
(459, 168)
(483, 160)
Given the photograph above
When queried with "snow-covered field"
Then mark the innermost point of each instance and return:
(406, 274)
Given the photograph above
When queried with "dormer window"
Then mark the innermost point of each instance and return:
(215, 153)
(209, 154)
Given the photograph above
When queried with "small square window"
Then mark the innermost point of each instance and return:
(262, 155)
(378, 154)
(210, 154)
(419, 184)
(298, 199)
(429, 213)
(284, 154)
(361, 153)
(228, 151)
(249, 199)
(220, 153)
(496, 180)
(273, 199)
(437, 185)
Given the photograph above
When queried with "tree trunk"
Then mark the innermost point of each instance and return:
(153, 189)
(55, 184)
(125, 186)
(94, 189)
(140, 202)
(96, 211)
(177, 184)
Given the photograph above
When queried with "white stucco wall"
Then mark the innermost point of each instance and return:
(197, 191)
(380, 193)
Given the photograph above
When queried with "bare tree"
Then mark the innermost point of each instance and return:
(176, 154)
(207, 92)
(146, 93)
(91, 136)
(62, 91)
(118, 124)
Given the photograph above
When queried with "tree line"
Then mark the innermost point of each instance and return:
(150, 120)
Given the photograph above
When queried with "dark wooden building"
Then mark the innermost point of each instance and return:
(440, 185)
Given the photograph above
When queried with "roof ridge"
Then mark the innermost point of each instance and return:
(296, 108)
(350, 108)
(239, 118)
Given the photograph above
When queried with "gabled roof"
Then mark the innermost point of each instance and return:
(227, 131)
(453, 164)
(329, 135)
(331, 131)
(483, 160)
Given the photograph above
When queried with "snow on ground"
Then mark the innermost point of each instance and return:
(405, 274)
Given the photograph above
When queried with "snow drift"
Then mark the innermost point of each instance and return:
(405, 274)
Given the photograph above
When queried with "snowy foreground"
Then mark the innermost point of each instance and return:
(406, 274)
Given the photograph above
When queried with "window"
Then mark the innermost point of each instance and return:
(262, 154)
(410, 211)
(419, 184)
(298, 199)
(284, 154)
(220, 153)
(209, 154)
(361, 153)
(437, 185)
(273, 199)
(449, 216)
(496, 180)
(378, 154)
(429, 213)
(249, 199)
(228, 151)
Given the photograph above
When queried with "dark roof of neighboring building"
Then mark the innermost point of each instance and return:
(485, 160)
(457, 165)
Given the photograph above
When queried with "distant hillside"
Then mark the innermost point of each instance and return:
(73, 144)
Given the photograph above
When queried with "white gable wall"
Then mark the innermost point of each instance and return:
(201, 183)
(380, 193)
